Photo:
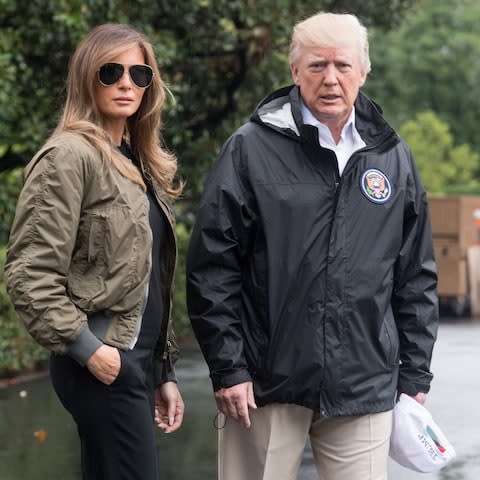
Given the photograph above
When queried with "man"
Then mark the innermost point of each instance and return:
(311, 276)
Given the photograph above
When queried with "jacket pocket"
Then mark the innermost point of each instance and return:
(96, 250)
(111, 257)
(389, 340)
(256, 348)
(85, 279)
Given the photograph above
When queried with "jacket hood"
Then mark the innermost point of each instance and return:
(281, 111)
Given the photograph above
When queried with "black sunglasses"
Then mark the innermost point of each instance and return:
(110, 73)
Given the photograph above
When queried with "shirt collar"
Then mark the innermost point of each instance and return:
(348, 129)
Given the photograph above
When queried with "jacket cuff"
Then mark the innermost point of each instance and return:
(229, 380)
(164, 371)
(84, 346)
(412, 387)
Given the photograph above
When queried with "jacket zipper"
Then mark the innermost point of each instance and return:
(164, 331)
(166, 346)
(338, 188)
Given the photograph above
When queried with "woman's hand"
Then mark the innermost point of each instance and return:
(169, 407)
(105, 364)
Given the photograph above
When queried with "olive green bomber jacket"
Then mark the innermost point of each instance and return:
(79, 254)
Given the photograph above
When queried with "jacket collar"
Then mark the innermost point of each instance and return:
(282, 111)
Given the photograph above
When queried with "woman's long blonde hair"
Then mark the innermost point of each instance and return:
(81, 115)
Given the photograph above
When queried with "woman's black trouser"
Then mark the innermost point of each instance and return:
(115, 422)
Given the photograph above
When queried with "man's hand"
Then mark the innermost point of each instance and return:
(235, 401)
(105, 364)
(169, 407)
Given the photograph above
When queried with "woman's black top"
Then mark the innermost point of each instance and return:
(154, 309)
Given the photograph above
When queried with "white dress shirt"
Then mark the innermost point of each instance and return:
(350, 140)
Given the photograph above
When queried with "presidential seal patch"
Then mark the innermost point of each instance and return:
(376, 186)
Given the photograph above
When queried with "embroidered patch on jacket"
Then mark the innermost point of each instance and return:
(376, 186)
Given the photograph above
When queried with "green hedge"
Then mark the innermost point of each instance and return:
(459, 190)
(10, 183)
(18, 351)
(181, 323)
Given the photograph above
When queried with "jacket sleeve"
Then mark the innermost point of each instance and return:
(218, 243)
(40, 247)
(164, 364)
(415, 300)
(164, 370)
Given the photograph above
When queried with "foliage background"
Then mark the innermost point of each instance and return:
(220, 58)
(18, 352)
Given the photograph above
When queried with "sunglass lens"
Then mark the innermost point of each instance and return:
(142, 75)
(110, 73)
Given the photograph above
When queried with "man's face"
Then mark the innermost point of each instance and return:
(329, 80)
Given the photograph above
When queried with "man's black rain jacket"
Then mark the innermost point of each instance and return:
(319, 288)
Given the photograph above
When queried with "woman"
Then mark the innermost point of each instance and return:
(92, 252)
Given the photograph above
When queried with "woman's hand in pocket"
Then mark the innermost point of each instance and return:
(105, 364)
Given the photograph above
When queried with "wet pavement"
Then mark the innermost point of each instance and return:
(453, 401)
(38, 440)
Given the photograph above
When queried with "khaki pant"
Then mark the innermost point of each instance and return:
(344, 448)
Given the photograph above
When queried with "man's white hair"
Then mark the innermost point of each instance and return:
(331, 30)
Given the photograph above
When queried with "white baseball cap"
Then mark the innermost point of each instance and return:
(416, 441)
